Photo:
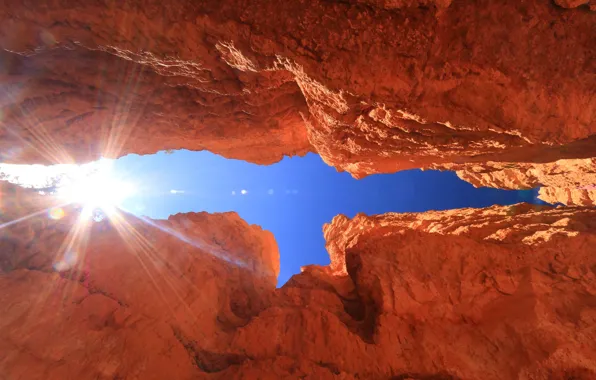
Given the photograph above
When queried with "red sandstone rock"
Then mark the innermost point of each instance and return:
(495, 293)
(372, 85)
(127, 298)
(567, 181)
(575, 3)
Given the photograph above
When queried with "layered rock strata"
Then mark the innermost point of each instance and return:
(495, 293)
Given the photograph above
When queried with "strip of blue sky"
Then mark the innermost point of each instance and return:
(294, 198)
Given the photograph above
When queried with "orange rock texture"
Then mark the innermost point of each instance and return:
(502, 92)
(496, 293)
(370, 85)
(126, 298)
(567, 181)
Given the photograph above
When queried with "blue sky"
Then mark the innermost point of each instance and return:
(293, 198)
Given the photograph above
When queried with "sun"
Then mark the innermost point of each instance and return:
(100, 189)
(97, 187)
(96, 192)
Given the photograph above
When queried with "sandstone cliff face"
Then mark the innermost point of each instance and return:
(372, 86)
(502, 92)
(567, 181)
(126, 298)
(496, 293)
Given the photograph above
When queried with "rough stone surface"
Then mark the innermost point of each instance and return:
(126, 298)
(576, 3)
(495, 293)
(501, 91)
(567, 181)
(370, 85)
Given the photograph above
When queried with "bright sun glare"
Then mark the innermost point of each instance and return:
(97, 191)
(100, 189)
(93, 186)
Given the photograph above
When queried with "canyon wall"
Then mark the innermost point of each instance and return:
(124, 297)
(568, 181)
(495, 293)
(373, 86)
(502, 92)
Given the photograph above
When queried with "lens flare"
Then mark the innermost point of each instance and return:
(56, 213)
(67, 262)
(98, 215)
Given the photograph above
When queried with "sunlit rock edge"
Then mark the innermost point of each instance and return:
(495, 293)
(393, 85)
(500, 92)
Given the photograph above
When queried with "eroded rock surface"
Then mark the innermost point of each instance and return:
(372, 86)
(502, 92)
(126, 298)
(495, 293)
(568, 181)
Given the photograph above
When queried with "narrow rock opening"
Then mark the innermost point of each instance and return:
(166, 265)
(292, 199)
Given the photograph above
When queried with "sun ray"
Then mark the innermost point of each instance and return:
(75, 243)
(210, 249)
(149, 249)
(48, 148)
(102, 190)
(143, 250)
(120, 128)
(26, 217)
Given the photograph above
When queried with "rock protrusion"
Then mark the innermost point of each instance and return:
(494, 293)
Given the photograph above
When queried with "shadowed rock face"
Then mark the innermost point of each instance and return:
(75, 104)
(496, 293)
(371, 86)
